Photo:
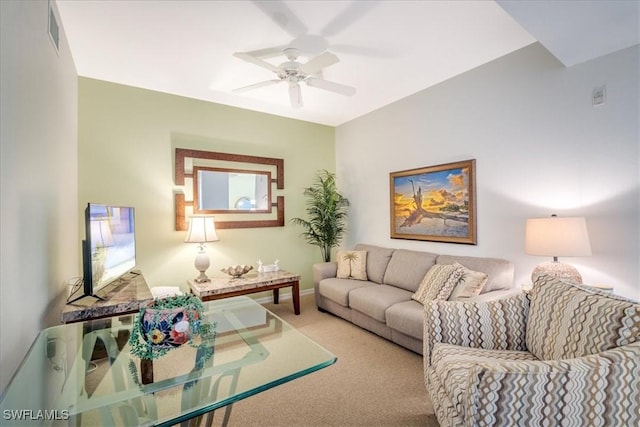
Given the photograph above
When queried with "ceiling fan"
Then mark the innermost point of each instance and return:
(293, 73)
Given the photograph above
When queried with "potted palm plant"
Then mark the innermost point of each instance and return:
(327, 214)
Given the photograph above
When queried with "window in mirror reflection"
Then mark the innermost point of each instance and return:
(230, 190)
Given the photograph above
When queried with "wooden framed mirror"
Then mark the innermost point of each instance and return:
(237, 188)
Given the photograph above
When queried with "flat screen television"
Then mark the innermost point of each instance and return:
(109, 248)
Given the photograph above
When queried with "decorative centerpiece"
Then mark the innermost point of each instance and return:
(269, 268)
(237, 270)
(168, 323)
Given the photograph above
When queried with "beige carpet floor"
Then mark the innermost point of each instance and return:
(373, 383)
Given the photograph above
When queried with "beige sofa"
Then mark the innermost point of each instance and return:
(563, 355)
(383, 304)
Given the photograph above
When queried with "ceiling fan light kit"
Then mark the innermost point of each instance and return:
(294, 72)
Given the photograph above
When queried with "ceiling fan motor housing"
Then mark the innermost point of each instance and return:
(291, 53)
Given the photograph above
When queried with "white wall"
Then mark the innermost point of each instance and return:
(541, 148)
(39, 221)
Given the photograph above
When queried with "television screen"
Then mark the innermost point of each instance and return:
(110, 238)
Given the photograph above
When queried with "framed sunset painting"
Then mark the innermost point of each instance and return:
(435, 203)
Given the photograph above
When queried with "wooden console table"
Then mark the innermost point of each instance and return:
(123, 296)
(224, 287)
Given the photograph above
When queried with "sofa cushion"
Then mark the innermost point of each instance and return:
(568, 321)
(439, 282)
(471, 284)
(377, 261)
(406, 317)
(337, 290)
(406, 268)
(453, 365)
(375, 300)
(352, 265)
(500, 271)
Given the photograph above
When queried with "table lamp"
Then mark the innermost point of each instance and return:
(202, 229)
(556, 236)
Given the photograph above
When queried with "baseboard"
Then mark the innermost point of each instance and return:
(283, 296)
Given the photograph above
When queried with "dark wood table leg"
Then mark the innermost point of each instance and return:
(276, 296)
(146, 371)
(295, 293)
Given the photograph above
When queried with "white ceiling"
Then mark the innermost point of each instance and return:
(387, 49)
(576, 31)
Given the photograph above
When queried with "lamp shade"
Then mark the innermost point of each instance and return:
(556, 236)
(202, 229)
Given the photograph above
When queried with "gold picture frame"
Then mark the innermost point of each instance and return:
(435, 203)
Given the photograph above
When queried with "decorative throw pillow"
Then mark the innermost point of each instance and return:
(352, 265)
(470, 286)
(438, 283)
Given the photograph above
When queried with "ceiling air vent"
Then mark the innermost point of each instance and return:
(54, 29)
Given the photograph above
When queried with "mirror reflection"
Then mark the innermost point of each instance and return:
(227, 190)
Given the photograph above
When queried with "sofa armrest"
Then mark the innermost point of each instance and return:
(497, 325)
(324, 270)
(603, 388)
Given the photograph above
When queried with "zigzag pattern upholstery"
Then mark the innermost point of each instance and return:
(480, 371)
(573, 321)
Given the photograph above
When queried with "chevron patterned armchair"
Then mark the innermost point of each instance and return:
(562, 355)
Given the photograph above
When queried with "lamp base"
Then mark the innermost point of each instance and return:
(202, 278)
(202, 264)
(556, 269)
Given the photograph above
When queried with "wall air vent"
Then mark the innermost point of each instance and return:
(599, 96)
(54, 28)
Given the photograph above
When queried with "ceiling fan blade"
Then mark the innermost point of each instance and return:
(257, 61)
(283, 16)
(319, 62)
(331, 86)
(268, 52)
(353, 12)
(295, 95)
(374, 52)
(256, 86)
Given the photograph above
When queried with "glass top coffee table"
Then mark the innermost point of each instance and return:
(253, 351)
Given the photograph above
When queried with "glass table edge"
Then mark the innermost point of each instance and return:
(244, 395)
(21, 365)
(230, 301)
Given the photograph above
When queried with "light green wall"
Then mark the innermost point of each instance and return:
(127, 140)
